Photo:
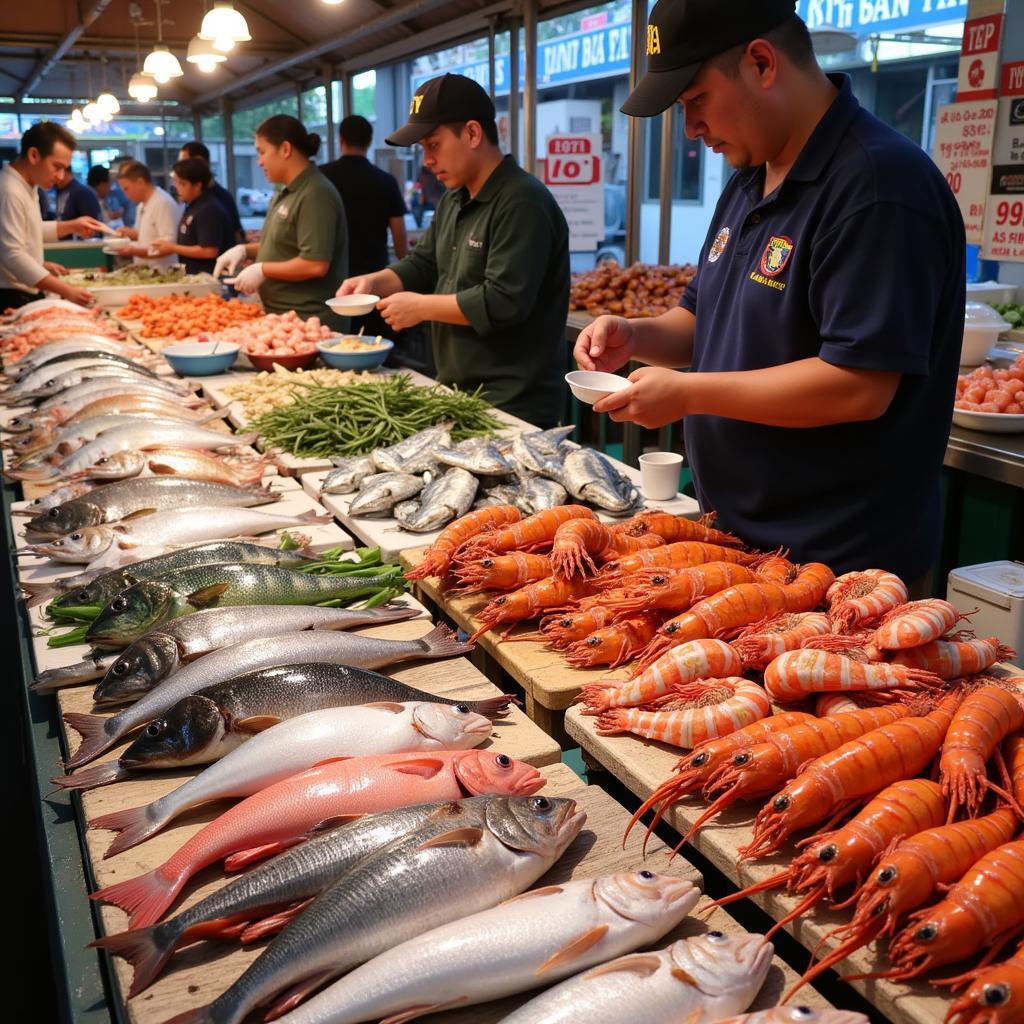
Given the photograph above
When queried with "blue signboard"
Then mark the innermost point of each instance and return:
(867, 17)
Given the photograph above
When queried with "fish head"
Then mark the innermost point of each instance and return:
(118, 466)
(723, 965)
(19, 424)
(182, 736)
(131, 613)
(452, 726)
(535, 824)
(148, 661)
(646, 896)
(78, 546)
(61, 519)
(483, 771)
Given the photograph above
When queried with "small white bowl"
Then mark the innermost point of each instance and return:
(117, 242)
(591, 386)
(353, 305)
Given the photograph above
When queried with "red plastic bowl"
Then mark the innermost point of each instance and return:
(288, 362)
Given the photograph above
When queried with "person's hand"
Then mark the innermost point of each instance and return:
(127, 251)
(606, 344)
(402, 310)
(128, 233)
(58, 269)
(82, 296)
(162, 247)
(361, 285)
(250, 279)
(229, 261)
(87, 226)
(657, 397)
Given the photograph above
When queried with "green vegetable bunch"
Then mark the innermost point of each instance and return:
(1012, 312)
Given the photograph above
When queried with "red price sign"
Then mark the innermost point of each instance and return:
(1010, 214)
(583, 169)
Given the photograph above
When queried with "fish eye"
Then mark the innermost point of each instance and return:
(565, 623)
(55, 511)
(886, 875)
(828, 853)
(646, 875)
(717, 936)
(741, 758)
(995, 995)
(119, 604)
(671, 629)
(500, 601)
(699, 760)
(76, 536)
(541, 803)
(926, 933)
(103, 461)
(504, 761)
(462, 709)
(802, 1013)
(155, 728)
(780, 803)
(83, 595)
(659, 580)
(119, 668)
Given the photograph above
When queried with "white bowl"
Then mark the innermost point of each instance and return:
(591, 386)
(118, 242)
(353, 305)
(993, 422)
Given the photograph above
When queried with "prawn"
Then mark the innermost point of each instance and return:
(438, 558)
(535, 533)
(834, 703)
(676, 591)
(565, 629)
(857, 598)
(953, 658)
(502, 572)
(916, 624)
(575, 542)
(713, 708)
(762, 641)
(996, 995)
(795, 674)
(681, 555)
(700, 659)
(528, 602)
(837, 780)
(614, 644)
(676, 528)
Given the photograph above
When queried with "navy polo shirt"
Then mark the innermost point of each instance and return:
(858, 258)
(204, 222)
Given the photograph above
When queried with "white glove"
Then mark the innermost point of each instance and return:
(250, 279)
(229, 261)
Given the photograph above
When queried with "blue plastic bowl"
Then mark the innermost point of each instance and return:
(197, 358)
(340, 360)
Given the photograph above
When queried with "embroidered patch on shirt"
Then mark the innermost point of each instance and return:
(474, 244)
(718, 246)
(282, 210)
(776, 255)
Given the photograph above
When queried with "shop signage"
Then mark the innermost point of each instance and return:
(979, 59)
(1004, 215)
(572, 170)
(864, 17)
(964, 133)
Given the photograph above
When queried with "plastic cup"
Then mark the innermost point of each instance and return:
(659, 475)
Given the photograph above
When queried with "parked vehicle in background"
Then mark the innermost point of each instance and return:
(253, 200)
(613, 245)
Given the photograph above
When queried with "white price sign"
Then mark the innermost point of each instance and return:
(964, 133)
(572, 171)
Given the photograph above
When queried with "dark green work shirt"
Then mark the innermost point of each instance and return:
(305, 219)
(505, 257)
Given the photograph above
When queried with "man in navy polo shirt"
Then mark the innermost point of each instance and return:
(825, 322)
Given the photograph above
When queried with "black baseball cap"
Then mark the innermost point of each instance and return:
(445, 100)
(683, 34)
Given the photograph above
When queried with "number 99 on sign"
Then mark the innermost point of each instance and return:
(1010, 214)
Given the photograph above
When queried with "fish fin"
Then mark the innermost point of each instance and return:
(573, 950)
(244, 858)
(255, 723)
(312, 516)
(297, 994)
(457, 837)
(89, 778)
(424, 767)
(443, 642)
(141, 949)
(200, 1015)
(272, 924)
(126, 545)
(94, 738)
(404, 1016)
(685, 977)
(386, 705)
(206, 597)
(548, 890)
(133, 824)
(137, 514)
(144, 898)
(643, 964)
(331, 760)
(330, 824)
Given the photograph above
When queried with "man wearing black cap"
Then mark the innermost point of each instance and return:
(492, 270)
(825, 322)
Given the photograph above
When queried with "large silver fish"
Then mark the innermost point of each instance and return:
(379, 494)
(427, 879)
(348, 475)
(542, 458)
(538, 493)
(414, 452)
(589, 476)
(441, 501)
(477, 455)
(502, 494)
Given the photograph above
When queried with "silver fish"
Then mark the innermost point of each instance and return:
(503, 494)
(550, 441)
(477, 455)
(530, 459)
(589, 476)
(348, 475)
(412, 452)
(71, 675)
(56, 497)
(539, 493)
(441, 501)
(119, 466)
(55, 386)
(379, 494)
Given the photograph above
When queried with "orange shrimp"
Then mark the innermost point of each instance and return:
(953, 659)
(761, 642)
(439, 555)
(676, 591)
(828, 704)
(836, 781)
(1013, 758)
(574, 544)
(562, 630)
(907, 875)
(716, 707)
(502, 572)
(996, 995)
(985, 717)
(528, 602)
(534, 533)
(676, 528)
(614, 644)
(680, 555)
(916, 624)
(843, 857)
(699, 659)
(625, 544)
(857, 598)
(796, 674)
(981, 910)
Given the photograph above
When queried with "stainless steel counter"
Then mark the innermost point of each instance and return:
(998, 457)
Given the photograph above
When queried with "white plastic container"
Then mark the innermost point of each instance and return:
(991, 292)
(982, 326)
(996, 589)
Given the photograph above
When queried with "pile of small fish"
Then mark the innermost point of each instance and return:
(426, 481)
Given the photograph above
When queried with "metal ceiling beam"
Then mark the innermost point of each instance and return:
(257, 13)
(47, 64)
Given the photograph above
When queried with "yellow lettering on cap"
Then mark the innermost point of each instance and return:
(653, 40)
(414, 107)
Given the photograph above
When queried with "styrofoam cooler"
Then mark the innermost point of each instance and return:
(996, 590)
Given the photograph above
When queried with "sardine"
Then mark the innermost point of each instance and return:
(502, 494)
(699, 980)
(531, 458)
(441, 501)
(379, 494)
(538, 938)
(415, 451)
(297, 745)
(348, 475)
(422, 881)
(100, 733)
(589, 476)
(539, 493)
(477, 455)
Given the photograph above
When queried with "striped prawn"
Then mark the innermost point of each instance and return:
(838, 780)
(563, 629)
(657, 590)
(535, 533)
(996, 995)
(673, 529)
(528, 602)
(761, 642)
(916, 624)
(955, 658)
(858, 598)
(681, 555)
(709, 709)
(502, 572)
(438, 558)
(614, 644)
(578, 542)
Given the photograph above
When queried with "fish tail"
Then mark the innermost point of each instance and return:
(94, 737)
(493, 707)
(91, 778)
(251, 438)
(216, 414)
(134, 824)
(443, 642)
(312, 516)
(37, 593)
(265, 492)
(143, 949)
(145, 897)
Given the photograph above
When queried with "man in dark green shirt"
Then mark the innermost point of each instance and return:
(492, 270)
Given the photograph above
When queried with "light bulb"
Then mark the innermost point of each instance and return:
(201, 52)
(142, 87)
(92, 113)
(108, 103)
(162, 64)
(224, 22)
(223, 45)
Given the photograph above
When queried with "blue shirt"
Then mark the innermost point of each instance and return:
(204, 222)
(858, 258)
(77, 200)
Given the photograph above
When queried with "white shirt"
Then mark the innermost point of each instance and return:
(157, 218)
(22, 233)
